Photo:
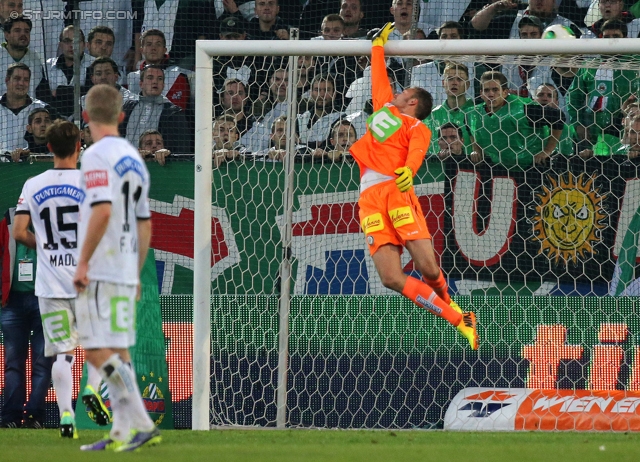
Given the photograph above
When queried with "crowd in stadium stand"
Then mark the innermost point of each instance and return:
(149, 57)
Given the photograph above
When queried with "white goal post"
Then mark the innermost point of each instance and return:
(463, 50)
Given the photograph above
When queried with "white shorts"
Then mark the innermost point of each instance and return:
(106, 315)
(59, 325)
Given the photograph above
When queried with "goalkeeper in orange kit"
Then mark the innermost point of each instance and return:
(389, 155)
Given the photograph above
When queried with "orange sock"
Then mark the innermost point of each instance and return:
(440, 287)
(425, 297)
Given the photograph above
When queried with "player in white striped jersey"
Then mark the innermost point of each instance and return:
(114, 236)
(51, 203)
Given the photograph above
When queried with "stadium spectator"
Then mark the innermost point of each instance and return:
(615, 9)
(312, 15)
(232, 28)
(500, 20)
(450, 141)
(561, 78)
(273, 102)
(233, 101)
(314, 125)
(21, 327)
(177, 87)
(121, 25)
(225, 140)
(267, 25)
(44, 34)
(547, 94)
(343, 135)
(351, 14)
(402, 12)
(508, 129)
(596, 96)
(152, 111)
(16, 49)
(430, 75)
(39, 120)
(15, 107)
(160, 16)
(242, 68)
(61, 80)
(277, 149)
(630, 139)
(35, 139)
(520, 75)
(104, 70)
(151, 147)
(100, 42)
(181, 22)
(278, 140)
(455, 81)
(332, 28)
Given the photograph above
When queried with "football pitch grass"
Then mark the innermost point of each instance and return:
(332, 446)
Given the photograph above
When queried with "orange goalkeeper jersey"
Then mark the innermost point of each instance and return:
(392, 140)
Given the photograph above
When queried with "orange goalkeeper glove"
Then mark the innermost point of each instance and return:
(404, 182)
(382, 36)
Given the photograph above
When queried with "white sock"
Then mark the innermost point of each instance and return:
(115, 374)
(138, 415)
(93, 377)
(63, 382)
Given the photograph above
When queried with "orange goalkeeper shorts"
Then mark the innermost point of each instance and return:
(388, 216)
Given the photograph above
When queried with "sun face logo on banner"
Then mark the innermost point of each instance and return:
(569, 218)
(153, 398)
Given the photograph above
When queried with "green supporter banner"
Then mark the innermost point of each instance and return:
(148, 356)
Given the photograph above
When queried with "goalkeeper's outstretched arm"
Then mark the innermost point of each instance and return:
(380, 86)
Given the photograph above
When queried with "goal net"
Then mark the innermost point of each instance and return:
(533, 209)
